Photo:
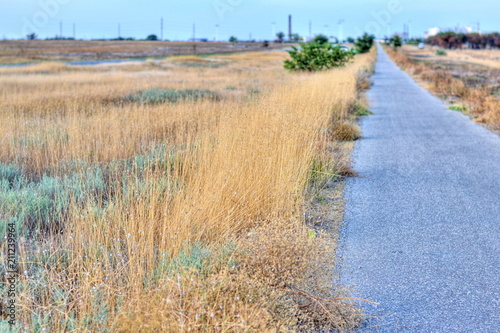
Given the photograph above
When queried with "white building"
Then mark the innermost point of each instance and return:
(432, 32)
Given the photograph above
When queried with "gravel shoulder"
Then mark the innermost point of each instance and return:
(421, 232)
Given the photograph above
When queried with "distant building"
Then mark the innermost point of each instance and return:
(432, 32)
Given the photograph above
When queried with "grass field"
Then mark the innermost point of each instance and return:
(488, 58)
(171, 195)
(469, 80)
(28, 51)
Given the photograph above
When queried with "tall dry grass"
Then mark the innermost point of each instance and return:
(172, 217)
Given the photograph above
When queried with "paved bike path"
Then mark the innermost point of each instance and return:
(421, 233)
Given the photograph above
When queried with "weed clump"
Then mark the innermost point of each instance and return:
(441, 52)
(159, 95)
(458, 107)
(345, 131)
(360, 110)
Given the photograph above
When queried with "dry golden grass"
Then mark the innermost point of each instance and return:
(489, 58)
(346, 131)
(175, 217)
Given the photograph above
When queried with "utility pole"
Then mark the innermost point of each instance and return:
(74, 31)
(289, 27)
(341, 30)
(216, 32)
(60, 30)
(119, 30)
(194, 32)
(250, 37)
(161, 29)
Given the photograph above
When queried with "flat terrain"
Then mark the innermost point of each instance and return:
(22, 51)
(422, 223)
(475, 68)
(172, 195)
(487, 58)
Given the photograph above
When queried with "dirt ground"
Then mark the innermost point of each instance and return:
(487, 58)
(476, 68)
(22, 51)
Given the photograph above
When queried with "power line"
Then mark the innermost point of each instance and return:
(341, 30)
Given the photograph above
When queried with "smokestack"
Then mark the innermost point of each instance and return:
(289, 27)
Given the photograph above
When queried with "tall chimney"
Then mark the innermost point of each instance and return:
(289, 27)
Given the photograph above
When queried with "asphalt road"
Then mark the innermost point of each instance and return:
(421, 233)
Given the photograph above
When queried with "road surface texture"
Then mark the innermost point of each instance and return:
(421, 233)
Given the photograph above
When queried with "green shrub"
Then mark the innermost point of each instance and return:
(315, 57)
(10, 174)
(159, 95)
(396, 41)
(441, 52)
(320, 39)
(364, 44)
(39, 207)
(34, 207)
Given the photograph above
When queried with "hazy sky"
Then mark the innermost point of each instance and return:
(241, 18)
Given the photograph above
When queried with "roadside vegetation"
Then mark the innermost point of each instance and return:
(316, 56)
(364, 43)
(161, 196)
(319, 54)
(469, 80)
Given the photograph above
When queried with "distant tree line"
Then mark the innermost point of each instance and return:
(453, 40)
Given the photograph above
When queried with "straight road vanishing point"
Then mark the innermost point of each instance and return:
(421, 233)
